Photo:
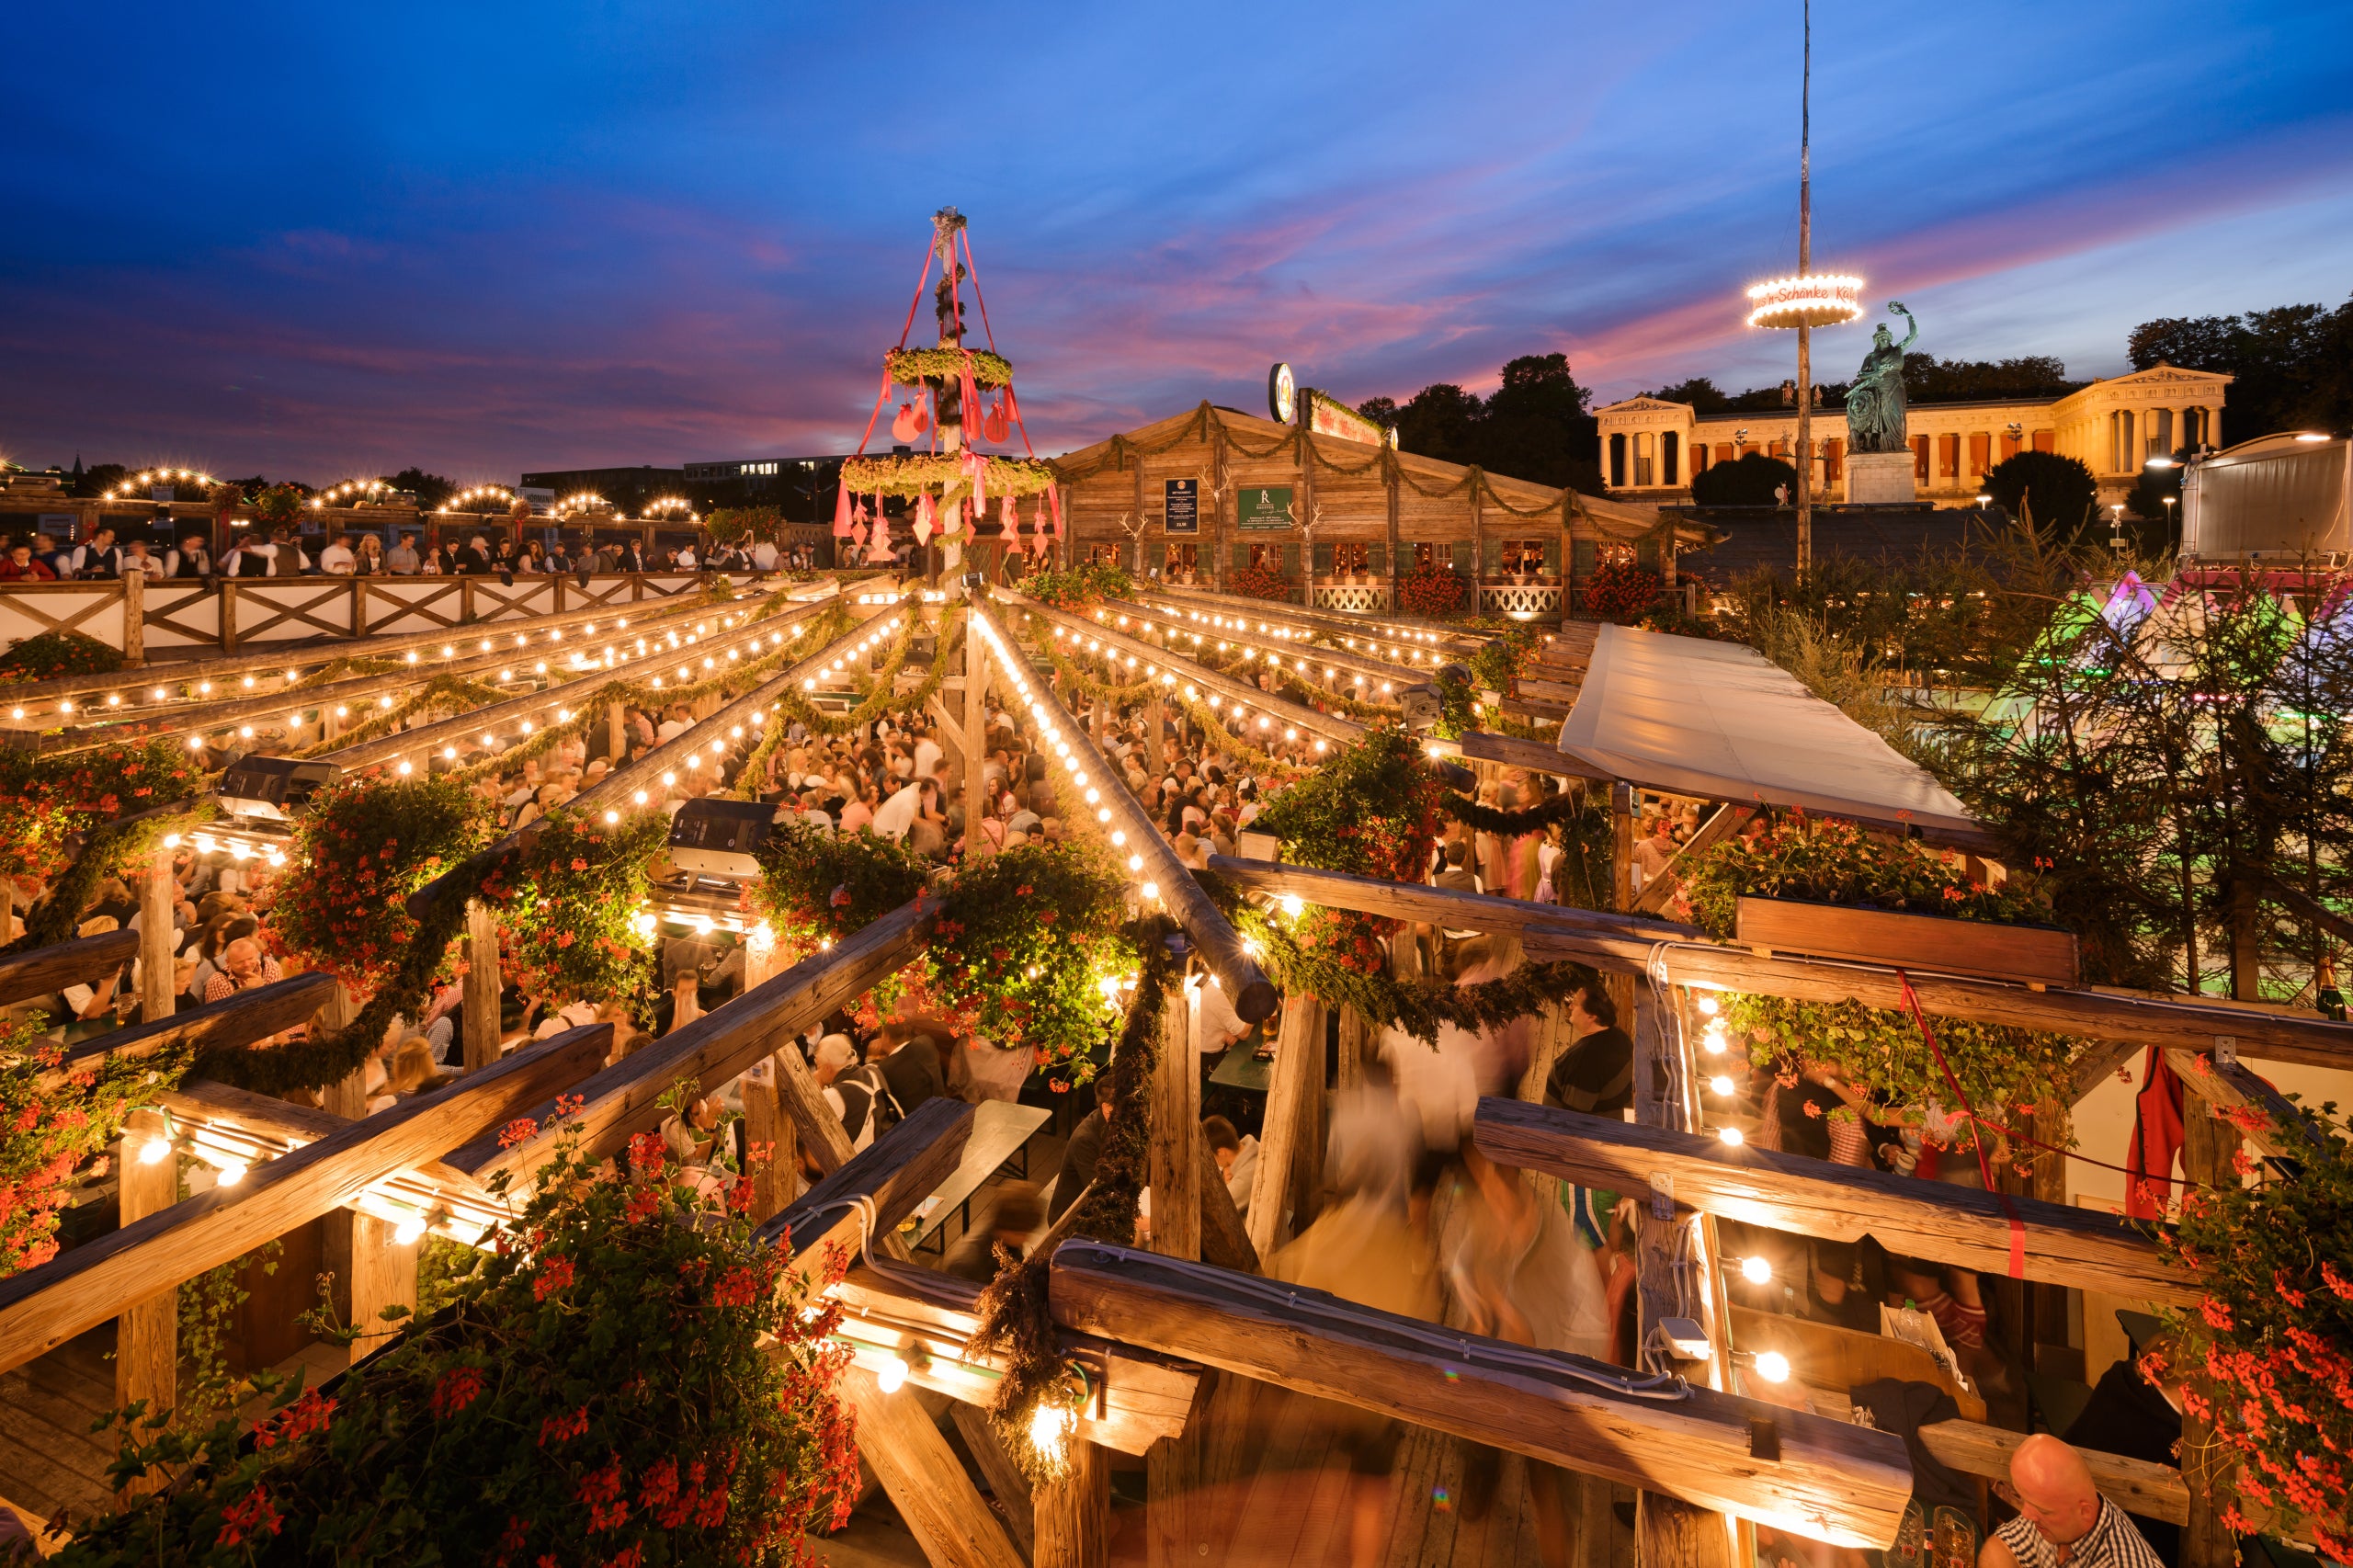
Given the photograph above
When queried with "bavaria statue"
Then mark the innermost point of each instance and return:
(1875, 401)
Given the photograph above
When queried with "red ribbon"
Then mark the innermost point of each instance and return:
(2009, 1209)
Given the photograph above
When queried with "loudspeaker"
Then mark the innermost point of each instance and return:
(721, 839)
(272, 786)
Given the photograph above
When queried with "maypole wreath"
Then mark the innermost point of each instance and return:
(960, 395)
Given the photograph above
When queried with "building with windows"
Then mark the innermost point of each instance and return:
(1651, 448)
(1201, 496)
(799, 487)
(628, 489)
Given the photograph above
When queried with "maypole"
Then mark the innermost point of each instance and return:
(959, 396)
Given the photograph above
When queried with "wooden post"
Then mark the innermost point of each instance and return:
(147, 1357)
(348, 1097)
(1172, 1470)
(1359, 1043)
(616, 733)
(1008, 1486)
(2207, 1144)
(976, 743)
(1152, 714)
(1298, 1073)
(765, 1123)
(1073, 1515)
(1670, 1532)
(135, 619)
(937, 1501)
(1174, 1169)
(228, 615)
(155, 956)
(384, 1274)
(481, 986)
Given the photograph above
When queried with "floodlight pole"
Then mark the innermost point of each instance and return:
(1805, 270)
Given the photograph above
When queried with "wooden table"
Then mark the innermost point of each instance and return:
(1241, 1068)
(1001, 1128)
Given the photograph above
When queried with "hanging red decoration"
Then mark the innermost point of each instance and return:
(926, 517)
(843, 507)
(904, 427)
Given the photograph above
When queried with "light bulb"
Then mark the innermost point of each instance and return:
(892, 1374)
(1757, 1270)
(1772, 1366)
(1732, 1135)
(1048, 1427)
(1722, 1084)
(155, 1151)
(231, 1172)
(1151, 891)
(1707, 1007)
(409, 1232)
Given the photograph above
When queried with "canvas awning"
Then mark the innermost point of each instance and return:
(1722, 721)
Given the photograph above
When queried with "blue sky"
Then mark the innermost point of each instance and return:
(335, 240)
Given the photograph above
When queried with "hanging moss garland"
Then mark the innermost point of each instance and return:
(914, 367)
(936, 474)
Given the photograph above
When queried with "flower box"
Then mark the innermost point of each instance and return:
(2037, 955)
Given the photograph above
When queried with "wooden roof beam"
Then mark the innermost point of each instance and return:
(1332, 726)
(721, 1045)
(42, 1308)
(40, 971)
(1832, 1482)
(241, 1019)
(2025, 1238)
(1254, 995)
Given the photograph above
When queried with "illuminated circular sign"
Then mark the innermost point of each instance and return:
(1282, 393)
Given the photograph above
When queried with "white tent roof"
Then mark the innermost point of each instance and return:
(1721, 721)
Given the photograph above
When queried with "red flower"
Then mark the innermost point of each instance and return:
(522, 1129)
(253, 1516)
(563, 1428)
(554, 1276)
(459, 1387)
(647, 1154)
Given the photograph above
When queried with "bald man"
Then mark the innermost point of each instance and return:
(2061, 1517)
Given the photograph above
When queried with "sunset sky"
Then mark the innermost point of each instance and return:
(320, 241)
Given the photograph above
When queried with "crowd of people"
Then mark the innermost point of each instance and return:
(1405, 1215)
(284, 551)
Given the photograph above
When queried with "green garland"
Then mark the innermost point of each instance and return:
(941, 473)
(441, 691)
(1457, 710)
(107, 851)
(879, 698)
(1080, 588)
(1480, 818)
(1305, 690)
(1204, 717)
(1015, 1314)
(1418, 1008)
(915, 367)
(1068, 670)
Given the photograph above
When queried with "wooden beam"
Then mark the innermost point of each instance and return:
(481, 986)
(242, 1019)
(1008, 1486)
(42, 1308)
(1332, 726)
(625, 1098)
(1298, 1072)
(1220, 946)
(157, 971)
(2152, 1491)
(40, 971)
(1837, 1483)
(1445, 908)
(2232, 1086)
(268, 1118)
(1225, 1240)
(1145, 1397)
(2053, 1242)
(1074, 1511)
(880, 1186)
(1173, 1160)
(384, 1274)
(147, 1343)
(1714, 831)
(936, 1500)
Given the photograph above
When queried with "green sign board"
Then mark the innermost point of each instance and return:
(1264, 509)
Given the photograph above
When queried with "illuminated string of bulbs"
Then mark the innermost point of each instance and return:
(1230, 709)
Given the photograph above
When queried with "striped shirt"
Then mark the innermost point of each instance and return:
(2112, 1543)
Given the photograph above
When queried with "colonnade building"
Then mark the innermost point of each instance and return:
(1651, 448)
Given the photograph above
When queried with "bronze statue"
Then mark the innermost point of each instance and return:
(1875, 401)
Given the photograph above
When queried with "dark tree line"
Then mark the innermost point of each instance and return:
(1536, 425)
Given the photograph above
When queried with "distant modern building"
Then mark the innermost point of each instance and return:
(1651, 448)
(799, 487)
(628, 489)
